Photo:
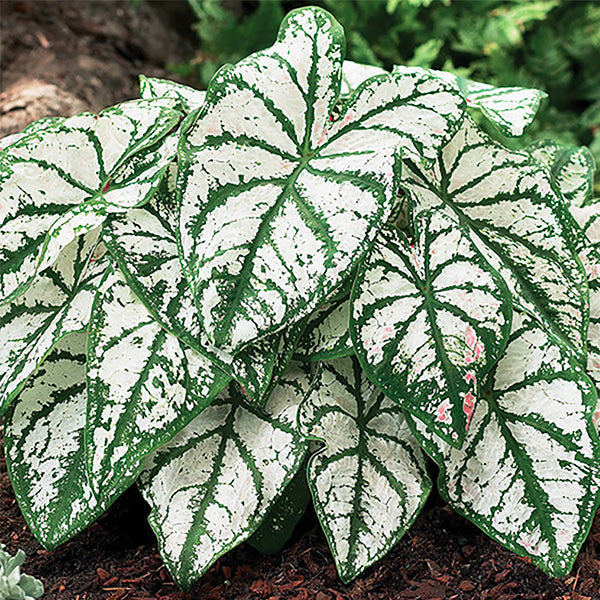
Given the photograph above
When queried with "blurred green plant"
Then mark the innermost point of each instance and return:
(553, 45)
(15, 585)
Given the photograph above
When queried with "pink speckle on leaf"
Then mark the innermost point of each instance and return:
(442, 414)
(106, 187)
(470, 336)
(470, 376)
(468, 407)
(323, 136)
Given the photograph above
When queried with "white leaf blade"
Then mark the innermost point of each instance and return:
(267, 238)
(429, 320)
(53, 181)
(44, 443)
(57, 303)
(518, 220)
(144, 244)
(572, 170)
(370, 480)
(212, 485)
(143, 384)
(509, 109)
(527, 472)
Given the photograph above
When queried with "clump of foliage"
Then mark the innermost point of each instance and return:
(551, 45)
(15, 585)
(305, 281)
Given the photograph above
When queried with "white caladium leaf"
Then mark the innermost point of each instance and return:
(429, 320)
(572, 169)
(527, 471)
(58, 302)
(277, 207)
(44, 444)
(35, 127)
(189, 97)
(353, 74)
(144, 244)
(510, 109)
(213, 484)
(144, 385)
(370, 481)
(590, 258)
(327, 335)
(508, 202)
(58, 182)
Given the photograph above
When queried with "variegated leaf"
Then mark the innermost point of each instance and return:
(144, 244)
(588, 217)
(35, 127)
(508, 202)
(510, 109)
(58, 182)
(327, 335)
(189, 97)
(429, 320)
(144, 385)
(58, 302)
(572, 169)
(370, 480)
(213, 484)
(527, 472)
(353, 74)
(278, 206)
(44, 444)
(590, 258)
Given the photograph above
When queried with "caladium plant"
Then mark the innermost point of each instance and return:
(304, 281)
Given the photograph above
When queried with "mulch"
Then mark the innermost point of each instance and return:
(91, 53)
(442, 557)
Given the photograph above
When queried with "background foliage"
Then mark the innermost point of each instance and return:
(553, 45)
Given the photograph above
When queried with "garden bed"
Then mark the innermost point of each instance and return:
(442, 556)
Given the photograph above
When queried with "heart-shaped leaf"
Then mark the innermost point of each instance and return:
(58, 182)
(213, 484)
(58, 302)
(527, 471)
(429, 319)
(370, 481)
(508, 202)
(144, 244)
(44, 444)
(571, 171)
(279, 201)
(144, 385)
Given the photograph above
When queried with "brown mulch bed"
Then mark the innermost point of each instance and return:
(60, 56)
(441, 557)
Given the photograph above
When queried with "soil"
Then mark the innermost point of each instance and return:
(61, 57)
